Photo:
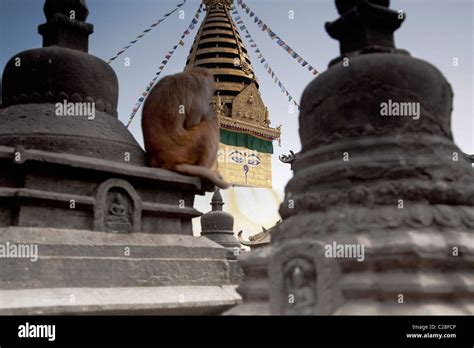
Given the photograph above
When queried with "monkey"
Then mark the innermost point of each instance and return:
(180, 129)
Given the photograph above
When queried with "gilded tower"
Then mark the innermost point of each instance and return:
(246, 136)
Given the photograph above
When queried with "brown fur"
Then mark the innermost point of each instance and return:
(183, 142)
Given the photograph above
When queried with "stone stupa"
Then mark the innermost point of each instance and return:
(112, 235)
(398, 186)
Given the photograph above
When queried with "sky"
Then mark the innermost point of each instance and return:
(434, 30)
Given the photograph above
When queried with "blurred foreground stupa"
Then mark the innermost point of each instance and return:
(395, 193)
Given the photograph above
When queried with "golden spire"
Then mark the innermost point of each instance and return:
(218, 47)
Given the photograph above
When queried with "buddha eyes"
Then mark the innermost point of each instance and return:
(239, 158)
(253, 160)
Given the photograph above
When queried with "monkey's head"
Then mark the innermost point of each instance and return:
(206, 77)
(200, 93)
(182, 98)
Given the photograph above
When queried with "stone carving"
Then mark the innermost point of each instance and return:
(246, 68)
(356, 219)
(266, 121)
(218, 106)
(320, 136)
(118, 207)
(250, 100)
(248, 106)
(290, 158)
(300, 286)
(381, 193)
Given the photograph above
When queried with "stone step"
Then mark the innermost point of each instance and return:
(165, 300)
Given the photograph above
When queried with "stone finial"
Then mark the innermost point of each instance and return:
(217, 202)
(66, 25)
(365, 25)
(345, 5)
(68, 8)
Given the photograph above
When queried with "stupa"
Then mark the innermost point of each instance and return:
(217, 225)
(396, 191)
(112, 235)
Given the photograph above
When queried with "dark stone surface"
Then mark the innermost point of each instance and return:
(54, 74)
(66, 25)
(64, 7)
(345, 5)
(35, 126)
(357, 91)
(364, 26)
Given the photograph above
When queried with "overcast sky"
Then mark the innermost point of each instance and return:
(435, 30)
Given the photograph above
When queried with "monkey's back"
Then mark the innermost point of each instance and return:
(175, 120)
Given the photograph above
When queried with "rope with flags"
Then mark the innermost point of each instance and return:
(168, 56)
(260, 56)
(146, 31)
(264, 27)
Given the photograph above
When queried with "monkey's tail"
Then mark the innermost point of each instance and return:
(202, 172)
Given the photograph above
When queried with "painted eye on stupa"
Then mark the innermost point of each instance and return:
(253, 160)
(236, 157)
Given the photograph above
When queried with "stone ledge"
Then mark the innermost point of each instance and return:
(167, 300)
(52, 197)
(36, 235)
(122, 169)
(83, 259)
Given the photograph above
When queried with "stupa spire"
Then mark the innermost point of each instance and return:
(240, 110)
(218, 46)
(66, 26)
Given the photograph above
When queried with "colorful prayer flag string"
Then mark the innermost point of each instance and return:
(146, 31)
(261, 58)
(140, 101)
(273, 36)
